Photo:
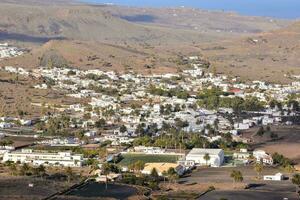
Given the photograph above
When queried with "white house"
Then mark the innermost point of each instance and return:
(262, 157)
(66, 159)
(216, 156)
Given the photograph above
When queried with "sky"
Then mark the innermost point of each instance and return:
(289, 9)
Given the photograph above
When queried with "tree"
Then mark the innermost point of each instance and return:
(260, 132)
(172, 175)
(100, 123)
(70, 174)
(154, 174)
(24, 169)
(13, 169)
(165, 174)
(296, 180)
(123, 129)
(79, 134)
(237, 176)
(39, 171)
(258, 167)
(281, 160)
(105, 170)
(87, 116)
(206, 158)
(139, 165)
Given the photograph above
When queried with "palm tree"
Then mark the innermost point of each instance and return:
(237, 176)
(154, 174)
(172, 175)
(258, 167)
(105, 170)
(70, 174)
(206, 158)
(131, 167)
(139, 165)
(165, 174)
(42, 169)
(13, 169)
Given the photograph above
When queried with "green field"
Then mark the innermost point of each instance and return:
(132, 158)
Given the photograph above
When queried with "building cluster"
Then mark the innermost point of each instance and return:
(112, 97)
(7, 51)
(134, 104)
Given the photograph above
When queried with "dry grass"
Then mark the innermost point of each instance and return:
(275, 54)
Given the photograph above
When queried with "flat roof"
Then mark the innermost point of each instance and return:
(197, 151)
(159, 166)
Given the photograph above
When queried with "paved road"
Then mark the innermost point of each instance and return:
(249, 195)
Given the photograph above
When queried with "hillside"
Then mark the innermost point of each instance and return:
(99, 55)
(150, 40)
(204, 21)
(266, 56)
(39, 21)
(36, 23)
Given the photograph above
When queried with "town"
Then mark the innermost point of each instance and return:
(143, 129)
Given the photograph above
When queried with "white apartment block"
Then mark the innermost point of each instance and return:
(66, 159)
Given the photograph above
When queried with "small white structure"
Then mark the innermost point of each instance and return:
(216, 157)
(276, 177)
(66, 159)
(90, 134)
(241, 155)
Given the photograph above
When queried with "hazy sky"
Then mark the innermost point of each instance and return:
(272, 8)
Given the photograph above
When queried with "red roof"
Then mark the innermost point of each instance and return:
(235, 90)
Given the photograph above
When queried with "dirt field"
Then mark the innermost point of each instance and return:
(16, 188)
(203, 178)
(222, 175)
(21, 141)
(287, 144)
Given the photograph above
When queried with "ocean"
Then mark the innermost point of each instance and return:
(285, 9)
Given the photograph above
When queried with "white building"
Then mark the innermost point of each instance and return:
(5, 125)
(66, 159)
(262, 157)
(216, 156)
(242, 155)
(90, 134)
(276, 177)
(149, 150)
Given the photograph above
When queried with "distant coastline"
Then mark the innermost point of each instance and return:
(284, 9)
